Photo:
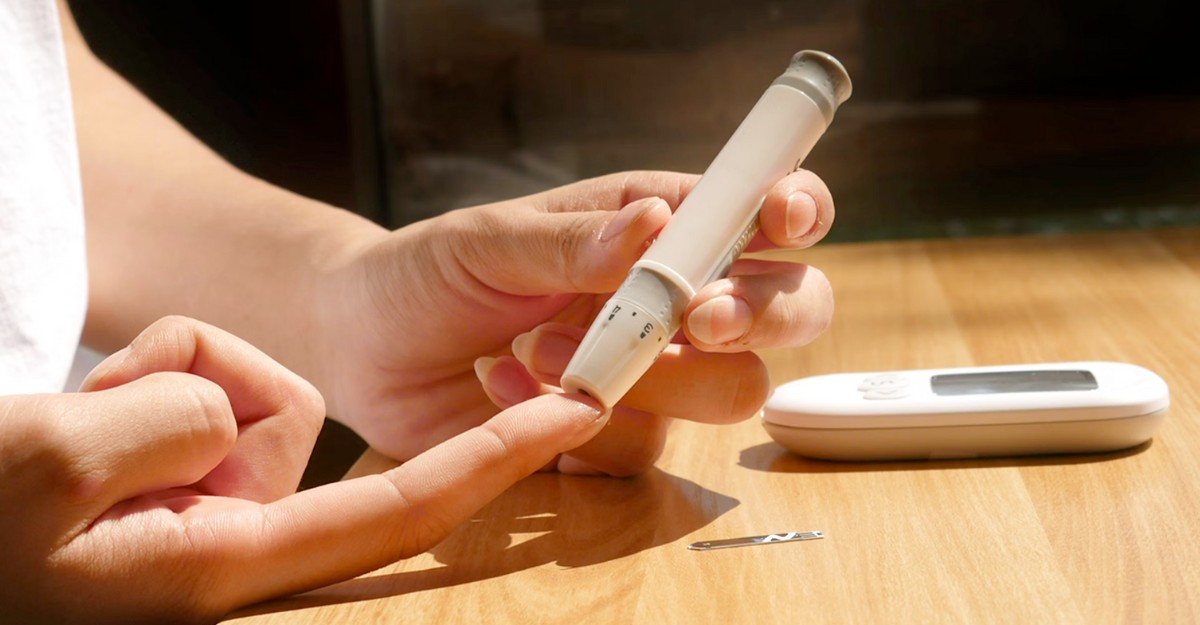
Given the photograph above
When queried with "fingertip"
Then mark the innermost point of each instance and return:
(623, 238)
(723, 320)
(802, 217)
(591, 403)
(168, 344)
(570, 465)
(98, 378)
(798, 211)
(636, 218)
(547, 349)
(594, 416)
(506, 381)
(483, 365)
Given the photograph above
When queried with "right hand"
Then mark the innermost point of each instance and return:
(165, 490)
(410, 323)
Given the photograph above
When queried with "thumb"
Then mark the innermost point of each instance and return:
(163, 430)
(533, 252)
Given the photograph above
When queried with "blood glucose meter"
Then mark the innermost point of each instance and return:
(1073, 407)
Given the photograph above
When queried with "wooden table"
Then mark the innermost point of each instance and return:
(1086, 539)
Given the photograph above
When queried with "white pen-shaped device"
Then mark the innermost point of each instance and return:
(709, 230)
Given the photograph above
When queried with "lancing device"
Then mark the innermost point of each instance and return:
(709, 230)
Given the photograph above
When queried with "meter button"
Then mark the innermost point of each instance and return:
(884, 380)
(886, 392)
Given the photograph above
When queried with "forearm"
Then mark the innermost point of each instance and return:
(174, 229)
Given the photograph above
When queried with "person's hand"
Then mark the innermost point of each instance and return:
(414, 314)
(164, 491)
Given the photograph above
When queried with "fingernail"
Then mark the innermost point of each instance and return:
(545, 352)
(627, 216)
(570, 465)
(720, 320)
(483, 365)
(801, 216)
(596, 418)
(111, 363)
(522, 347)
(506, 381)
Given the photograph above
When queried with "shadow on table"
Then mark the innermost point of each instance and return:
(773, 458)
(546, 518)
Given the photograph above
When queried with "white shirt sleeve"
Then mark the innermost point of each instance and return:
(43, 271)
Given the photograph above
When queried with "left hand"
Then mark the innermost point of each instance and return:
(164, 491)
(415, 314)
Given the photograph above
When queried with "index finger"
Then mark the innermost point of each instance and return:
(611, 192)
(334, 532)
(796, 213)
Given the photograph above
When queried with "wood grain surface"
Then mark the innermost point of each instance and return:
(1059, 539)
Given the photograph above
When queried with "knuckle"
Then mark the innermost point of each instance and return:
(418, 529)
(171, 328)
(172, 323)
(475, 224)
(804, 314)
(473, 237)
(752, 390)
(821, 314)
(301, 398)
(204, 404)
(48, 450)
(169, 342)
(567, 244)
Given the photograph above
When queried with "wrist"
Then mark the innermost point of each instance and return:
(325, 296)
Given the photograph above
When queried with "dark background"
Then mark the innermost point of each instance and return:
(968, 118)
(1093, 105)
(266, 84)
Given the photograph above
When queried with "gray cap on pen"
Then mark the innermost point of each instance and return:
(821, 77)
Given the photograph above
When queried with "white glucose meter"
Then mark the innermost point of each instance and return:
(1073, 407)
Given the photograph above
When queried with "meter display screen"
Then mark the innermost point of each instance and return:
(1013, 382)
